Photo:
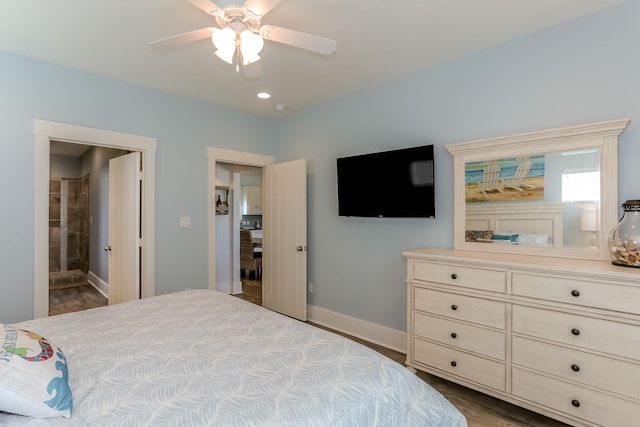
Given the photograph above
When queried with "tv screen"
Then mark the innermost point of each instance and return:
(393, 184)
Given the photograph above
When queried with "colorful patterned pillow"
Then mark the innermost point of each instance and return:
(483, 236)
(34, 379)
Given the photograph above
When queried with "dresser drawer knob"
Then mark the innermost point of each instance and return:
(576, 403)
(575, 368)
(454, 307)
(575, 331)
(454, 363)
(454, 335)
(575, 293)
(454, 276)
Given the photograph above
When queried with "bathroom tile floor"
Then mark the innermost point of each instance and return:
(70, 291)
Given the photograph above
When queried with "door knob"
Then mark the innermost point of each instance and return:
(299, 248)
(107, 248)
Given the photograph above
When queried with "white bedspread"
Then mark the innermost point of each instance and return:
(202, 358)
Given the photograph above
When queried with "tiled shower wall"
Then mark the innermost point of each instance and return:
(84, 224)
(69, 224)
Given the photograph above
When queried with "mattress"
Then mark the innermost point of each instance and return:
(203, 358)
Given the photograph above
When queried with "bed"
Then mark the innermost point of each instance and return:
(534, 224)
(204, 358)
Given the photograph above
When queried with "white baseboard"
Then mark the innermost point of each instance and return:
(230, 288)
(237, 287)
(224, 287)
(381, 335)
(99, 284)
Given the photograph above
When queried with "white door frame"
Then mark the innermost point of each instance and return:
(45, 132)
(227, 156)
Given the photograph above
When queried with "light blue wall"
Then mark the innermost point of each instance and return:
(64, 167)
(581, 72)
(32, 89)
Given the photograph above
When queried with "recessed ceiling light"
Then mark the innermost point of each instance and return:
(264, 95)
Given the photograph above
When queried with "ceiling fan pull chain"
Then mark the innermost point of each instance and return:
(237, 58)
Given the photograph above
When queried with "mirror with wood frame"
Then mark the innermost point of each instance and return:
(551, 192)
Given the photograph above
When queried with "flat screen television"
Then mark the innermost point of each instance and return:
(391, 184)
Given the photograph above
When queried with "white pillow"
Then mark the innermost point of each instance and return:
(34, 378)
(535, 239)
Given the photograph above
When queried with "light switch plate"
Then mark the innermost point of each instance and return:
(185, 221)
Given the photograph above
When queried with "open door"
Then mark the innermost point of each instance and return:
(125, 179)
(284, 279)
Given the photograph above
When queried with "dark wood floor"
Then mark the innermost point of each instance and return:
(480, 409)
(251, 290)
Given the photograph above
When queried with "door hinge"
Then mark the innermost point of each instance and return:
(139, 243)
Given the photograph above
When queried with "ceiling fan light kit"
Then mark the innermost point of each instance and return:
(225, 42)
(250, 46)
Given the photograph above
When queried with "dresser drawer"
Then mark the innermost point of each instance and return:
(472, 368)
(576, 401)
(579, 292)
(467, 277)
(595, 371)
(573, 330)
(460, 307)
(460, 335)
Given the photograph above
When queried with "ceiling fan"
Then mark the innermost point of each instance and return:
(239, 36)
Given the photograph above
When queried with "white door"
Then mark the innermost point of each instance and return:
(284, 243)
(123, 249)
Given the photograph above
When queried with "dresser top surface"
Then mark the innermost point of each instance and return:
(501, 260)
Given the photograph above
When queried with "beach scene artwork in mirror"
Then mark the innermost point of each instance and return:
(507, 179)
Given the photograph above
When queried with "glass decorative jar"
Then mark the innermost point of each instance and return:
(624, 239)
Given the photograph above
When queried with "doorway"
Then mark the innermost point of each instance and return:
(284, 287)
(250, 225)
(45, 132)
(69, 231)
(238, 222)
(78, 225)
(238, 198)
(224, 169)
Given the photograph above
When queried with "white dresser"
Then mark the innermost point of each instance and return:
(558, 336)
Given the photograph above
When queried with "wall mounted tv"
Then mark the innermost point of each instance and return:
(392, 184)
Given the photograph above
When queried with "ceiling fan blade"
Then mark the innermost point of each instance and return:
(296, 38)
(207, 7)
(259, 8)
(183, 39)
(253, 70)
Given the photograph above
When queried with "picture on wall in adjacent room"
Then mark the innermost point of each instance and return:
(507, 179)
(222, 201)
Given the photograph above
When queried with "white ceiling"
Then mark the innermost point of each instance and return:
(376, 41)
(67, 149)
